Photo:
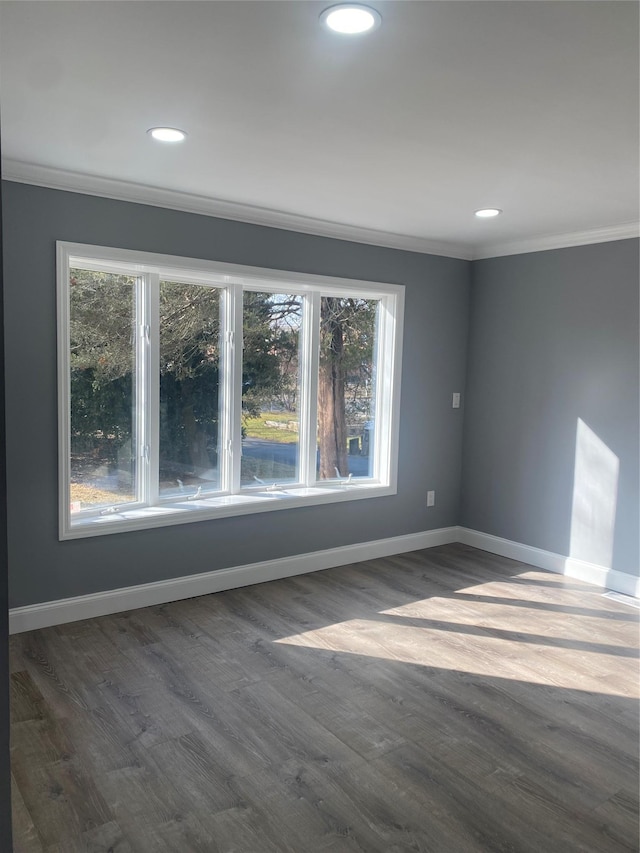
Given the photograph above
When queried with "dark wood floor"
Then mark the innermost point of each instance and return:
(446, 700)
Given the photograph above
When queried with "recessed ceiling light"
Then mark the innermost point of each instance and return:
(488, 212)
(167, 134)
(350, 19)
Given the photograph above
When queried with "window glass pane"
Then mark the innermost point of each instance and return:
(346, 387)
(103, 389)
(189, 388)
(271, 388)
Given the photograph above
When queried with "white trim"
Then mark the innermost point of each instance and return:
(150, 427)
(622, 599)
(388, 380)
(231, 411)
(246, 502)
(217, 273)
(48, 613)
(63, 385)
(309, 348)
(61, 179)
(606, 234)
(572, 568)
(145, 595)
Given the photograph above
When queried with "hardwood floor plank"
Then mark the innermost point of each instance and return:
(108, 838)
(297, 731)
(26, 699)
(445, 701)
(193, 765)
(62, 799)
(516, 816)
(26, 835)
(62, 678)
(619, 818)
(352, 721)
(144, 806)
(375, 810)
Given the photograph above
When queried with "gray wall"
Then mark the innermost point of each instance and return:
(553, 338)
(5, 771)
(42, 568)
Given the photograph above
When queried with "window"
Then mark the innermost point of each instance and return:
(191, 389)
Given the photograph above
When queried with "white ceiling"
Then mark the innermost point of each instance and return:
(449, 106)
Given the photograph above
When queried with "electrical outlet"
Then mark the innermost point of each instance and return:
(456, 401)
(431, 498)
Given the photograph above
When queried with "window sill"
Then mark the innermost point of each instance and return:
(184, 512)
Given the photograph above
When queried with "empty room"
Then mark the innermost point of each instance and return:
(319, 456)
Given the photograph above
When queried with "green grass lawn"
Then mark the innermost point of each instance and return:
(259, 428)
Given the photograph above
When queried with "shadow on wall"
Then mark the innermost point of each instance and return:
(595, 495)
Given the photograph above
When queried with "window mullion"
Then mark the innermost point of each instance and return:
(151, 409)
(231, 414)
(310, 354)
(383, 361)
(383, 392)
(141, 373)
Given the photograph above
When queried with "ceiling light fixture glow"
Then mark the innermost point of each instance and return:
(488, 212)
(167, 134)
(350, 19)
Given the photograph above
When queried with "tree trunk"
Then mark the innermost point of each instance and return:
(332, 427)
(196, 441)
(195, 435)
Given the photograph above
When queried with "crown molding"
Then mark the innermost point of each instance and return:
(605, 234)
(60, 179)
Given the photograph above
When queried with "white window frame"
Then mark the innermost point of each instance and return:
(151, 510)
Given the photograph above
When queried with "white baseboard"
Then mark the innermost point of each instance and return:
(579, 569)
(144, 595)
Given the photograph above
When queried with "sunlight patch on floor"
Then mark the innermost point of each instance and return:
(488, 635)
(483, 656)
